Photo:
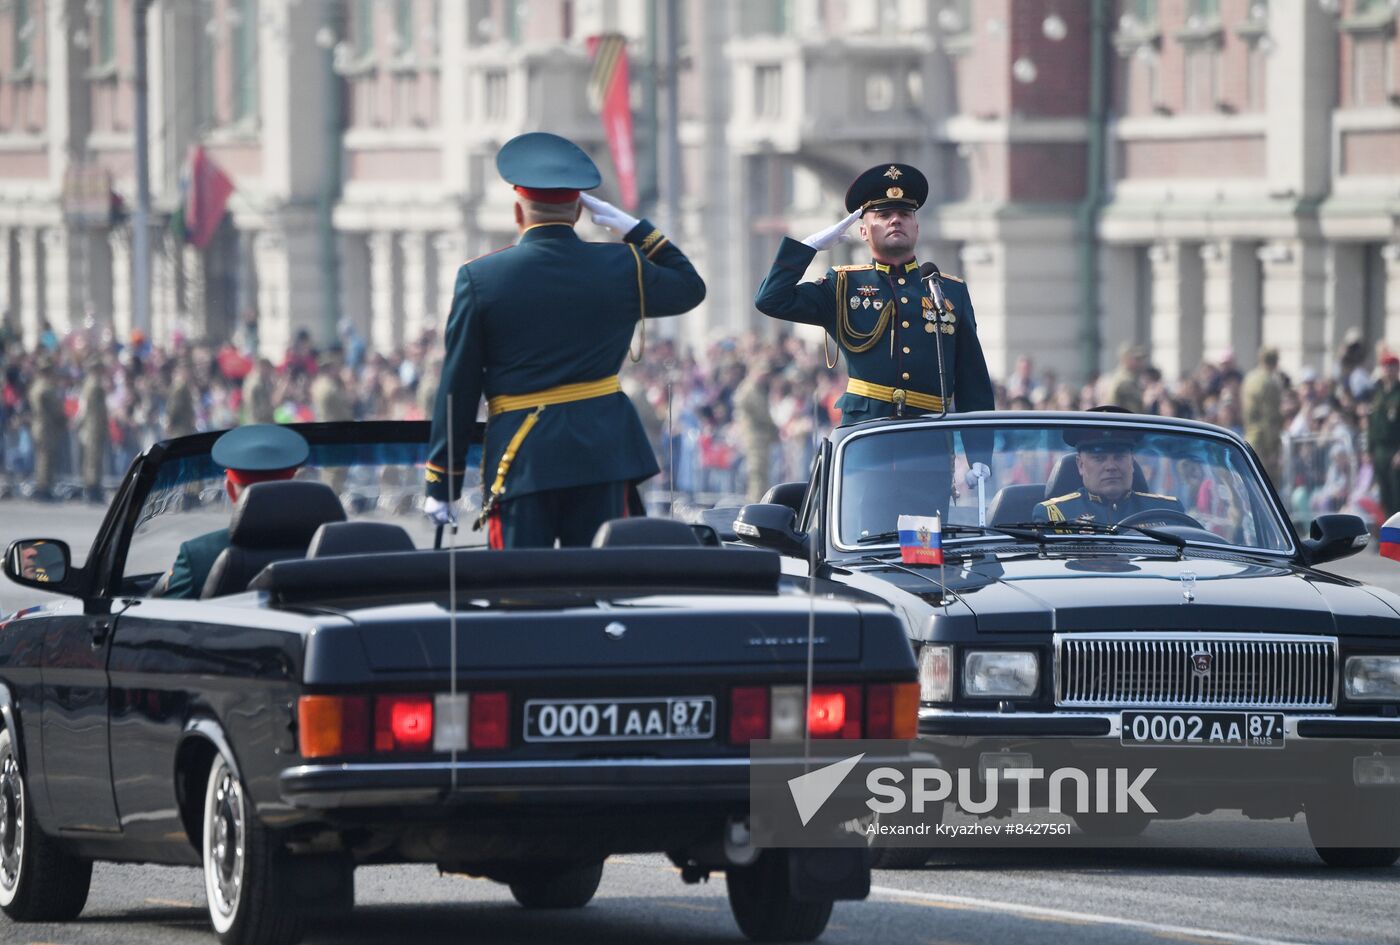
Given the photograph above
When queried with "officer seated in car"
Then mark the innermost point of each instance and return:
(1105, 462)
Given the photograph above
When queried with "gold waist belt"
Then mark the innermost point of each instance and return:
(895, 395)
(563, 394)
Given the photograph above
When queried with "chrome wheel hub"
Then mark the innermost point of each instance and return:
(11, 822)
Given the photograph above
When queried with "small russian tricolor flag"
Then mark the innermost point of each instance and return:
(920, 539)
(1390, 537)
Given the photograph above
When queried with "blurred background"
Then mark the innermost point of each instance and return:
(214, 211)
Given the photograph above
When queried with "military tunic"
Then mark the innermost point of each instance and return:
(553, 310)
(1085, 506)
(195, 560)
(904, 356)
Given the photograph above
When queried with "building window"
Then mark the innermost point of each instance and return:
(24, 27)
(245, 60)
(364, 27)
(403, 27)
(106, 49)
(516, 13)
(1143, 11)
(1205, 9)
(768, 92)
(879, 92)
(1202, 77)
(495, 94)
(767, 17)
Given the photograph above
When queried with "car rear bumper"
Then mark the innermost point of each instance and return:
(633, 781)
(1108, 725)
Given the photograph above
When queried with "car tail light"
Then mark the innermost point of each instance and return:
(834, 712)
(892, 710)
(488, 720)
(403, 723)
(748, 714)
(333, 725)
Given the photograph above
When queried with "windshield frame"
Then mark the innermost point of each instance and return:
(953, 423)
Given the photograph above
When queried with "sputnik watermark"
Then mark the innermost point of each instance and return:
(893, 791)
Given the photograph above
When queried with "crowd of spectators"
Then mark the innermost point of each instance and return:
(725, 420)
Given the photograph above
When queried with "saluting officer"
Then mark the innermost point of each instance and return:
(1105, 461)
(259, 452)
(541, 328)
(910, 345)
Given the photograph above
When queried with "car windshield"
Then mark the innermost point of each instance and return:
(1192, 484)
(376, 481)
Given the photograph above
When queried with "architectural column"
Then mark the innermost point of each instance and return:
(32, 312)
(386, 292)
(1390, 253)
(166, 276)
(193, 301)
(119, 243)
(1119, 294)
(450, 249)
(1177, 308)
(9, 283)
(1230, 282)
(1294, 301)
(417, 284)
(64, 278)
(287, 259)
(1345, 300)
(355, 281)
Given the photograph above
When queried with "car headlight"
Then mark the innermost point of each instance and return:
(1373, 677)
(1000, 673)
(936, 673)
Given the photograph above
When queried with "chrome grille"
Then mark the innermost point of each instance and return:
(1251, 671)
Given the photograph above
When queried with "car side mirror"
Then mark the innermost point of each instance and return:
(1335, 536)
(38, 562)
(772, 526)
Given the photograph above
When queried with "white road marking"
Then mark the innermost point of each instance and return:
(1068, 916)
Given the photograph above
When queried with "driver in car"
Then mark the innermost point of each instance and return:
(1105, 460)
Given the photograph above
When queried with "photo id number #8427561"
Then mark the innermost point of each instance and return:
(594, 720)
(1204, 729)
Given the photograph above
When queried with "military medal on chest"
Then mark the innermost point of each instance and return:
(865, 297)
(930, 316)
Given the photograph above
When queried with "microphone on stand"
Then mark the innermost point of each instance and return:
(931, 277)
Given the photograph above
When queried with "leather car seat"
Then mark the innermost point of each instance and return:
(273, 521)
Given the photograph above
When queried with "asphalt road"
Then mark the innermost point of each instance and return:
(1145, 895)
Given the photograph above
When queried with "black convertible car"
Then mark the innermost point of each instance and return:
(343, 694)
(1121, 584)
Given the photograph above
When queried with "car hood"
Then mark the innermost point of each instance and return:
(1029, 594)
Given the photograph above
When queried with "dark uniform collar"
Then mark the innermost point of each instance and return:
(548, 231)
(911, 266)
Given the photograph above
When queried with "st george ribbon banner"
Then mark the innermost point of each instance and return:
(609, 89)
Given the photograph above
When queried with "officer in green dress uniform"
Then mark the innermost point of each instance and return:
(910, 342)
(259, 452)
(541, 328)
(1105, 461)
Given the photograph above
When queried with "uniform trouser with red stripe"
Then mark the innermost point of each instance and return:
(571, 516)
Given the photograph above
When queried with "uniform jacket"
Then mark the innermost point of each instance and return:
(550, 310)
(1085, 506)
(193, 563)
(909, 359)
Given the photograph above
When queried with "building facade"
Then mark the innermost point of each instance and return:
(1194, 176)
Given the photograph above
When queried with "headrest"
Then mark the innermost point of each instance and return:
(283, 514)
(632, 532)
(358, 538)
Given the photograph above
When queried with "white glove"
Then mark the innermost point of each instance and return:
(829, 237)
(439, 512)
(605, 214)
(976, 473)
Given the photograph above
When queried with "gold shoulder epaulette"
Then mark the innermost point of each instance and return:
(499, 249)
(854, 267)
(1157, 495)
(954, 278)
(1062, 498)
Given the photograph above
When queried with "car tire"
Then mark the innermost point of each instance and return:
(39, 882)
(763, 905)
(572, 888)
(247, 875)
(1327, 826)
(1097, 826)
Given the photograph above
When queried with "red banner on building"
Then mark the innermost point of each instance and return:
(610, 89)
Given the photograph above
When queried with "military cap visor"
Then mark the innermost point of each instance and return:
(260, 447)
(1101, 440)
(546, 167)
(888, 185)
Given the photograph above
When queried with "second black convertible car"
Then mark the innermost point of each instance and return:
(1122, 584)
(341, 694)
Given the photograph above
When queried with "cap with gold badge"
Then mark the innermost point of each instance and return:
(888, 185)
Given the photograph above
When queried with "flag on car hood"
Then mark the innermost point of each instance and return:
(920, 539)
(1390, 538)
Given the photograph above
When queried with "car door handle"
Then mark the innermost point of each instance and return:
(100, 629)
